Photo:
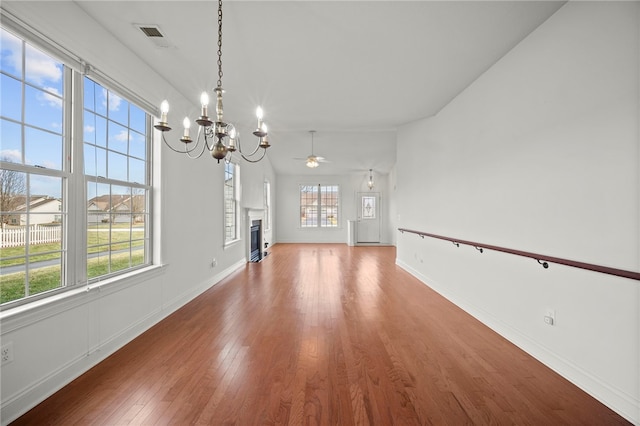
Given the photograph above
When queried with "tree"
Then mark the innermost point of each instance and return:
(12, 192)
(138, 204)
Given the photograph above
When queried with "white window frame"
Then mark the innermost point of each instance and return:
(267, 205)
(235, 199)
(143, 186)
(74, 210)
(319, 206)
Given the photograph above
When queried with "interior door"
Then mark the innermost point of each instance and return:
(368, 228)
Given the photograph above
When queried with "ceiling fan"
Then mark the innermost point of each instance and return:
(313, 161)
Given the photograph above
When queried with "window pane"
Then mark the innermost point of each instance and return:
(43, 109)
(329, 206)
(12, 286)
(89, 95)
(11, 134)
(45, 240)
(368, 207)
(230, 202)
(136, 171)
(120, 257)
(42, 190)
(137, 256)
(97, 263)
(308, 206)
(32, 235)
(117, 166)
(45, 275)
(319, 205)
(95, 97)
(116, 214)
(43, 71)
(116, 225)
(43, 149)
(11, 98)
(137, 145)
(118, 138)
(89, 129)
(118, 109)
(137, 119)
(14, 196)
(11, 57)
(101, 131)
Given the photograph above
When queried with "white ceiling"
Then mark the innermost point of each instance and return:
(352, 70)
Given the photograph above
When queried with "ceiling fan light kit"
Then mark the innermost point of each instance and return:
(216, 132)
(312, 162)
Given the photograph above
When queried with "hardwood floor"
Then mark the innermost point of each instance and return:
(321, 334)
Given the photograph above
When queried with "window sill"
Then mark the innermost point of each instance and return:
(228, 244)
(23, 315)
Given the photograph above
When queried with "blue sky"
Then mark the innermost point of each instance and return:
(114, 130)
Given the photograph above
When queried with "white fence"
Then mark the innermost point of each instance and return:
(16, 237)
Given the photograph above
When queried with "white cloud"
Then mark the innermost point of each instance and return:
(123, 136)
(114, 100)
(40, 68)
(89, 129)
(50, 98)
(12, 50)
(12, 155)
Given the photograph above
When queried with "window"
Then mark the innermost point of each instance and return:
(33, 176)
(41, 174)
(231, 201)
(319, 206)
(267, 205)
(116, 170)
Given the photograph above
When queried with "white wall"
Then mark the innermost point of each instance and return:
(57, 340)
(288, 206)
(541, 154)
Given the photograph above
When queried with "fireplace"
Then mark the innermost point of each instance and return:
(256, 240)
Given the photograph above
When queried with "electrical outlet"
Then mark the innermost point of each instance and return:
(214, 263)
(6, 353)
(550, 317)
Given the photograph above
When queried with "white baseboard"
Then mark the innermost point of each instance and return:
(622, 403)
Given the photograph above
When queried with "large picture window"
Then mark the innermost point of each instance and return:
(319, 205)
(43, 176)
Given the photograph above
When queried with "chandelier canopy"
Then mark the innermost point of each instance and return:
(220, 138)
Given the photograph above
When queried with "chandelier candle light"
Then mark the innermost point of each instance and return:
(215, 132)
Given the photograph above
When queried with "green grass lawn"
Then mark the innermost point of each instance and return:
(96, 242)
(48, 278)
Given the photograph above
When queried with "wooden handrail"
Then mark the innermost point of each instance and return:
(541, 258)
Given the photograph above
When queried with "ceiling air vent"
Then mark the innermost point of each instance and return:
(151, 31)
(154, 34)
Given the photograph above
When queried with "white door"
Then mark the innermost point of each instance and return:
(368, 228)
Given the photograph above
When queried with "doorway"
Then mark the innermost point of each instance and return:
(368, 227)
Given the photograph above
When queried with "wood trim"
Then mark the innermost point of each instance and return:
(541, 258)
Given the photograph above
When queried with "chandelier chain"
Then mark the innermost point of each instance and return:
(220, 43)
(221, 139)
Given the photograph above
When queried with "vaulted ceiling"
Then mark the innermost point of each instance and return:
(351, 70)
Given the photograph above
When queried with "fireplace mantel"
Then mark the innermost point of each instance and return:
(253, 215)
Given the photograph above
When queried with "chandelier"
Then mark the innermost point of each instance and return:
(219, 137)
(370, 182)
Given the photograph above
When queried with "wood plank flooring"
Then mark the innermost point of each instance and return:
(320, 334)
